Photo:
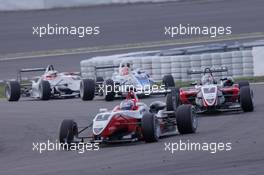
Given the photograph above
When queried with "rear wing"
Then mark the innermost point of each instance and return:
(19, 74)
(105, 67)
(208, 70)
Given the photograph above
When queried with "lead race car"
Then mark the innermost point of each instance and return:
(123, 81)
(210, 95)
(51, 84)
(131, 121)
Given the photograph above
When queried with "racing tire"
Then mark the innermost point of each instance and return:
(169, 102)
(150, 128)
(168, 81)
(100, 79)
(186, 119)
(87, 89)
(44, 90)
(246, 101)
(109, 94)
(242, 84)
(68, 129)
(12, 91)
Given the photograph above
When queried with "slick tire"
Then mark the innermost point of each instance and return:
(100, 79)
(171, 106)
(242, 84)
(150, 128)
(87, 89)
(12, 91)
(168, 81)
(109, 94)
(186, 119)
(44, 90)
(246, 101)
(68, 130)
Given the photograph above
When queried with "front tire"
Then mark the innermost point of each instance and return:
(87, 89)
(168, 81)
(109, 94)
(186, 119)
(242, 84)
(246, 101)
(12, 91)
(44, 90)
(150, 128)
(68, 130)
(171, 103)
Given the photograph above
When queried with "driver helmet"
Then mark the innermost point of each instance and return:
(229, 81)
(125, 68)
(127, 105)
(207, 79)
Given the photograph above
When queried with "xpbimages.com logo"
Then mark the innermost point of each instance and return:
(140, 89)
(50, 146)
(212, 147)
(188, 30)
(52, 30)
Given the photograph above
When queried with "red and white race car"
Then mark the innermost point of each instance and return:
(210, 95)
(131, 121)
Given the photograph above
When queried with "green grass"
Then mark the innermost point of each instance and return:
(255, 79)
(2, 90)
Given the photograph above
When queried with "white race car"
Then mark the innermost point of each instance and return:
(126, 79)
(49, 85)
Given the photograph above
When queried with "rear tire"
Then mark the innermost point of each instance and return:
(169, 101)
(168, 81)
(100, 79)
(68, 130)
(109, 94)
(87, 89)
(150, 128)
(186, 119)
(44, 90)
(12, 91)
(246, 101)
(242, 84)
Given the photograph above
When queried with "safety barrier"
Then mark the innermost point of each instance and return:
(7, 5)
(239, 59)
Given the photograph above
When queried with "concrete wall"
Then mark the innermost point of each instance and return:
(240, 63)
(258, 54)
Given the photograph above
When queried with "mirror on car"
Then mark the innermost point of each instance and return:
(193, 83)
(103, 110)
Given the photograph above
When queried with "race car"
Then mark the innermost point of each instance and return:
(131, 121)
(210, 95)
(123, 81)
(51, 84)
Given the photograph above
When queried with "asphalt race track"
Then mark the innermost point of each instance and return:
(138, 23)
(126, 23)
(30, 121)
